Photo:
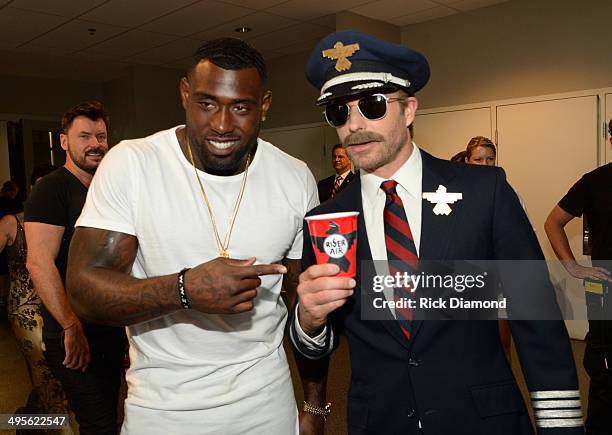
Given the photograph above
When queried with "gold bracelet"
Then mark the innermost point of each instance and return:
(321, 411)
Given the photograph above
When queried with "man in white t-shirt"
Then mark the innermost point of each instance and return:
(181, 239)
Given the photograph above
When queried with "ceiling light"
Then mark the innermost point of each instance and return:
(243, 29)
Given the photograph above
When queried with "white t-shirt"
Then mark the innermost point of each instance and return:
(195, 373)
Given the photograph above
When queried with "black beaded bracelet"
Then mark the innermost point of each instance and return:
(182, 290)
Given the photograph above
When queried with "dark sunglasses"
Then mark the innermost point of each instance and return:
(372, 107)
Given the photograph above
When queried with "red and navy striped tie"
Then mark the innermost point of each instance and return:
(401, 250)
(337, 184)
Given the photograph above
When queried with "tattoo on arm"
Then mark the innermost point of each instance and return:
(100, 286)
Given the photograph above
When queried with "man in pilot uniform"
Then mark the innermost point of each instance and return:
(414, 376)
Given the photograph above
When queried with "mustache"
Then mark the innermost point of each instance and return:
(362, 137)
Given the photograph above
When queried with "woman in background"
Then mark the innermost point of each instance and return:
(480, 151)
(47, 395)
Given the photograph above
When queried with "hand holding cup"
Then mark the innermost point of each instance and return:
(325, 287)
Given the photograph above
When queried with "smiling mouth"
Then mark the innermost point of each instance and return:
(222, 145)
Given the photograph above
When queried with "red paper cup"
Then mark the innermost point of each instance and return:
(334, 240)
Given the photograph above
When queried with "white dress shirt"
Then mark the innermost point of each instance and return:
(410, 189)
(342, 176)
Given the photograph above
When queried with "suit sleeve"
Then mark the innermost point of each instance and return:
(539, 332)
(321, 188)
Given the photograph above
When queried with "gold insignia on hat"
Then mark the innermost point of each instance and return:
(341, 52)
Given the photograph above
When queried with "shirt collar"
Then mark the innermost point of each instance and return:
(344, 174)
(409, 176)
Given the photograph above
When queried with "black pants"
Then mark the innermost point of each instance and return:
(93, 395)
(599, 416)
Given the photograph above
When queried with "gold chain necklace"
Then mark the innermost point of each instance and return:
(223, 247)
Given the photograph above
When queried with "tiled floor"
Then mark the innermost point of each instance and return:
(340, 372)
(14, 382)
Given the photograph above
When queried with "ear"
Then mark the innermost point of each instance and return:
(265, 104)
(64, 141)
(410, 108)
(184, 91)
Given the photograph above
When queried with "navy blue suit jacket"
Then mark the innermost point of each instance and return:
(452, 377)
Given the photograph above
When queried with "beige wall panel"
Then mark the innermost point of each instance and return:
(347, 20)
(293, 98)
(445, 133)
(545, 147)
(305, 143)
(515, 49)
(331, 139)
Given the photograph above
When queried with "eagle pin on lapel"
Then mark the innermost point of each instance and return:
(441, 198)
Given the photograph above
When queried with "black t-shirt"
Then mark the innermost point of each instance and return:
(592, 196)
(58, 199)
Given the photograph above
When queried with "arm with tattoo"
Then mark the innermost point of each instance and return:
(102, 290)
(99, 284)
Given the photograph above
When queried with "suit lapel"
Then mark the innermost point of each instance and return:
(436, 230)
(365, 270)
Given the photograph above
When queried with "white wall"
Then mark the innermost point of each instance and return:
(293, 98)
(519, 48)
(44, 97)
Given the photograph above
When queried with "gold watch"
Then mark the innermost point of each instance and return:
(321, 411)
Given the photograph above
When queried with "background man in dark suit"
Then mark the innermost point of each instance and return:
(414, 376)
(330, 186)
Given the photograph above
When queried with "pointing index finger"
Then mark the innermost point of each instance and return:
(263, 269)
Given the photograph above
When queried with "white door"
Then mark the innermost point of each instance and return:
(331, 139)
(445, 133)
(545, 147)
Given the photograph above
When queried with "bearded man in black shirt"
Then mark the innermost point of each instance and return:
(86, 358)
